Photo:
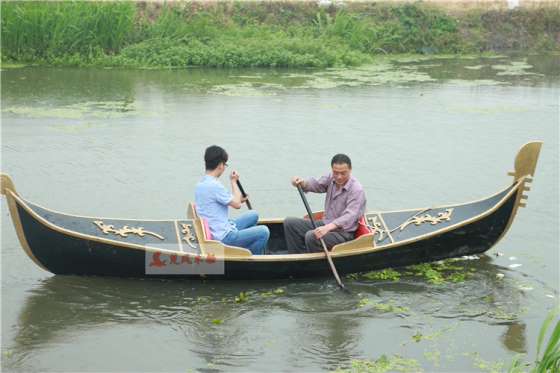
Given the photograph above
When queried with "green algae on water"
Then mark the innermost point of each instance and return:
(485, 365)
(383, 364)
(36, 112)
(382, 73)
(501, 314)
(474, 82)
(364, 302)
(386, 274)
(76, 127)
(516, 68)
(100, 109)
(440, 272)
(434, 357)
(432, 336)
(273, 293)
(242, 297)
(390, 308)
(246, 89)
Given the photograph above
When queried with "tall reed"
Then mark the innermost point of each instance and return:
(549, 360)
(37, 30)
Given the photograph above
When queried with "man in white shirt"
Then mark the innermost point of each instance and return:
(213, 199)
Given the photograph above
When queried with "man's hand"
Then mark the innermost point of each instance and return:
(296, 180)
(321, 231)
(234, 176)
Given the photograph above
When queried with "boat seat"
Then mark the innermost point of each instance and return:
(208, 244)
(205, 226)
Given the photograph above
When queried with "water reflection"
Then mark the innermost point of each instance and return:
(70, 85)
(514, 338)
(313, 319)
(66, 86)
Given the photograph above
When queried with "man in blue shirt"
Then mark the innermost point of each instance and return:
(213, 199)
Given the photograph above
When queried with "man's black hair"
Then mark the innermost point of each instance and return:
(213, 156)
(340, 159)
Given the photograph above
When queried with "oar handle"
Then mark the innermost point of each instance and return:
(244, 194)
(327, 254)
(304, 199)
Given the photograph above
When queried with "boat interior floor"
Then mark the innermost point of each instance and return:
(277, 242)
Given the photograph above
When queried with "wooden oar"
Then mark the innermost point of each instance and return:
(327, 253)
(244, 194)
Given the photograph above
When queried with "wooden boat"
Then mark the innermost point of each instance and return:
(69, 244)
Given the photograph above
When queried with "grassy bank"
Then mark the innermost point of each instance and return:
(246, 34)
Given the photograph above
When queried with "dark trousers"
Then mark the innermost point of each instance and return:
(301, 239)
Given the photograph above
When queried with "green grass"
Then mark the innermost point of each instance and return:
(257, 34)
(549, 360)
(548, 356)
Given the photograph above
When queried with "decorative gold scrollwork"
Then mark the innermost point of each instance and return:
(376, 224)
(124, 231)
(427, 218)
(188, 235)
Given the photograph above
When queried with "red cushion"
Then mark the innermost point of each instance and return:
(206, 229)
(316, 215)
(363, 228)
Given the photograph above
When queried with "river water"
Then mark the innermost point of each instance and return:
(420, 132)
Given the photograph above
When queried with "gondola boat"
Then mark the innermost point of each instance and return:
(77, 245)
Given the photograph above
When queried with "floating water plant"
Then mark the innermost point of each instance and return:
(275, 292)
(383, 364)
(390, 307)
(440, 272)
(486, 366)
(364, 302)
(242, 297)
(516, 68)
(419, 336)
(386, 274)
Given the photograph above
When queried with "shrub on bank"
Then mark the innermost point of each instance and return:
(267, 34)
